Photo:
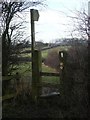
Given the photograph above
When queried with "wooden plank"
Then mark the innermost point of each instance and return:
(50, 85)
(7, 97)
(49, 74)
(6, 78)
(50, 95)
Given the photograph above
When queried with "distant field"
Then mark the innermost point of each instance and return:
(44, 53)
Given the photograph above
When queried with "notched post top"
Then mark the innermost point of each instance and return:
(34, 14)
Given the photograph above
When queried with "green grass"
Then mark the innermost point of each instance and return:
(47, 68)
(44, 53)
(25, 70)
(26, 67)
(26, 55)
(51, 80)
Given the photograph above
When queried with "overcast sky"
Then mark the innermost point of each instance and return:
(54, 21)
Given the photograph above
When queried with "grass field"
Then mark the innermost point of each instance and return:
(25, 70)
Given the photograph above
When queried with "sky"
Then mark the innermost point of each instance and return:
(54, 21)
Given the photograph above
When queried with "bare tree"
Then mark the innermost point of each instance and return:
(10, 9)
(81, 26)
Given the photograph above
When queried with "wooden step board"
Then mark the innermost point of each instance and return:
(7, 97)
(50, 95)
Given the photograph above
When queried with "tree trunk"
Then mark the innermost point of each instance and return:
(5, 53)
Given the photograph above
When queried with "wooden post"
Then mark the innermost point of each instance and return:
(36, 57)
(62, 66)
(63, 59)
(32, 30)
(63, 81)
(36, 77)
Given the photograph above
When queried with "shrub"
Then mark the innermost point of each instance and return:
(52, 59)
(74, 84)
